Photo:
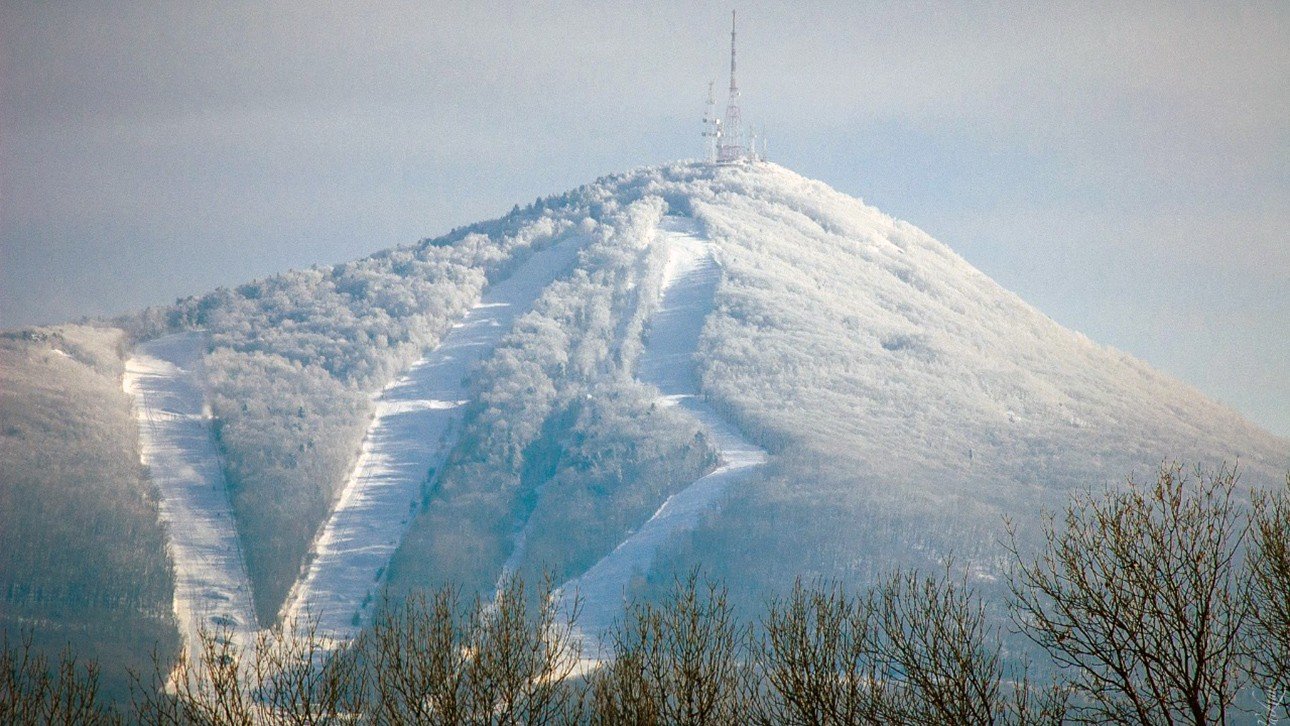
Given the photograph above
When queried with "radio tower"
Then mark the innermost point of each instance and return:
(732, 146)
(711, 127)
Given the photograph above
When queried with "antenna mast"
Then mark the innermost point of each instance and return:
(732, 147)
(711, 126)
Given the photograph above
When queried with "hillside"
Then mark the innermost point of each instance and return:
(84, 556)
(906, 403)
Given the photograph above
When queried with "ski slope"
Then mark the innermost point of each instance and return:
(411, 433)
(690, 280)
(212, 592)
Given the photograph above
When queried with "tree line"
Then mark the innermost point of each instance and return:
(1165, 602)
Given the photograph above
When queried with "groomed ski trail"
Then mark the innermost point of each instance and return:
(164, 377)
(690, 280)
(408, 437)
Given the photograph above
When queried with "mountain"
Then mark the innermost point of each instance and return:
(731, 366)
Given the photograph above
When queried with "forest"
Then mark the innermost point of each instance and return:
(563, 452)
(294, 361)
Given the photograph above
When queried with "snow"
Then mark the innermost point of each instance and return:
(858, 339)
(909, 401)
(165, 379)
(411, 433)
(690, 280)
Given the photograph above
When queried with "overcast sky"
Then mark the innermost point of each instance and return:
(1124, 169)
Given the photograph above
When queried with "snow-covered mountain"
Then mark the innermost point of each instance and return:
(727, 366)
(908, 403)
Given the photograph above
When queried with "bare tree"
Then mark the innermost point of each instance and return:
(917, 649)
(1146, 597)
(817, 659)
(504, 661)
(941, 659)
(289, 676)
(417, 654)
(1270, 598)
(300, 678)
(429, 660)
(34, 691)
(938, 667)
(208, 689)
(681, 661)
(521, 658)
(1137, 597)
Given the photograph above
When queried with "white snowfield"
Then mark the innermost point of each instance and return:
(689, 284)
(411, 433)
(212, 592)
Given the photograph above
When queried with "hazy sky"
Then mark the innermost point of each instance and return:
(1123, 167)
